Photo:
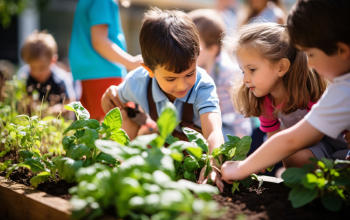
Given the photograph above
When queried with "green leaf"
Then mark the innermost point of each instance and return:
(80, 111)
(332, 202)
(194, 136)
(35, 164)
(24, 154)
(78, 151)
(294, 175)
(116, 150)
(79, 124)
(167, 120)
(235, 187)
(89, 137)
(113, 119)
(67, 167)
(120, 136)
(191, 148)
(40, 178)
(242, 148)
(300, 196)
(190, 164)
(105, 158)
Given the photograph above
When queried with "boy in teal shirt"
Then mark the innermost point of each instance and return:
(170, 47)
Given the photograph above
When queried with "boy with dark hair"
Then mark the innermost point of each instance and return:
(321, 28)
(170, 47)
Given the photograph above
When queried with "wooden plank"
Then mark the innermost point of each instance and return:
(18, 201)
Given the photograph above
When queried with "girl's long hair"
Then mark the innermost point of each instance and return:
(301, 83)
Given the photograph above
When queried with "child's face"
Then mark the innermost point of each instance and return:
(176, 85)
(260, 75)
(206, 55)
(40, 68)
(325, 65)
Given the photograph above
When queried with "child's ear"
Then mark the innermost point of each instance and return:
(344, 50)
(283, 67)
(150, 72)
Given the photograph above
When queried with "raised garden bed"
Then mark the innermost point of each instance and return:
(270, 201)
(22, 202)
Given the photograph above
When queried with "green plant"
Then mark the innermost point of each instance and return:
(144, 185)
(325, 179)
(234, 149)
(80, 144)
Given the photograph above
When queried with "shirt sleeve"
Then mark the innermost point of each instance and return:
(268, 122)
(133, 87)
(101, 12)
(331, 114)
(207, 99)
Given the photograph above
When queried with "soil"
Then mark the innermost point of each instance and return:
(270, 201)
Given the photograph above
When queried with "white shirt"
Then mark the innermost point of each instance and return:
(331, 114)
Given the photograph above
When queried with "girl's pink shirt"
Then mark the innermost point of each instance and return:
(268, 121)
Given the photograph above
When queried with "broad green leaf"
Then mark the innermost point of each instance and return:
(293, 176)
(40, 178)
(300, 196)
(89, 137)
(78, 151)
(113, 119)
(79, 124)
(190, 164)
(80, 112)
(35, 164)
(67, 167)
(242, 148)
(194, 136)
(143, 140)
(167, 120)
(26, 154)
(116, 150)
(105, 158)
(191, 148)
(120, 136)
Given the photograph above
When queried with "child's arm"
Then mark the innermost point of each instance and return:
(110, 50)
(276, 148)
(212, 132)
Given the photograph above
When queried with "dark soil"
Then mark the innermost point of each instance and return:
(56, 188)
(270, 201)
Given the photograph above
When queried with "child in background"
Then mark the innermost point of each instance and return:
(264, 11)
(39, 51)
(97, 51)
(170, 46)
(221, 67)
(328, 51)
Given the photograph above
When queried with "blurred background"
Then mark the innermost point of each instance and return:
(19, 18)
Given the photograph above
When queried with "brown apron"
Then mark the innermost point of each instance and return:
(187, 114)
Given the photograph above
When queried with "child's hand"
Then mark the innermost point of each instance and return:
(230, 171)
(214, 175)
(110, 99)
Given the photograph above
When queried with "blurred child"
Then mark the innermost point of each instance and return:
(328, 52)
(170, 47)
(39, 51)
(97, 51)
(221, 67)
(264, 11)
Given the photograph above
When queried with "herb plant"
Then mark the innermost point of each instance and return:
(325, 179)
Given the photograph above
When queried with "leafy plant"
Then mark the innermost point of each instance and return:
(80, 145)
(234, 149)
(325, 179)
(144, 185)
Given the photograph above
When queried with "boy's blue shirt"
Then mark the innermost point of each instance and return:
(85, 62)
(202, 95)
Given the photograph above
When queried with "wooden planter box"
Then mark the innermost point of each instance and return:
(18, 201)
